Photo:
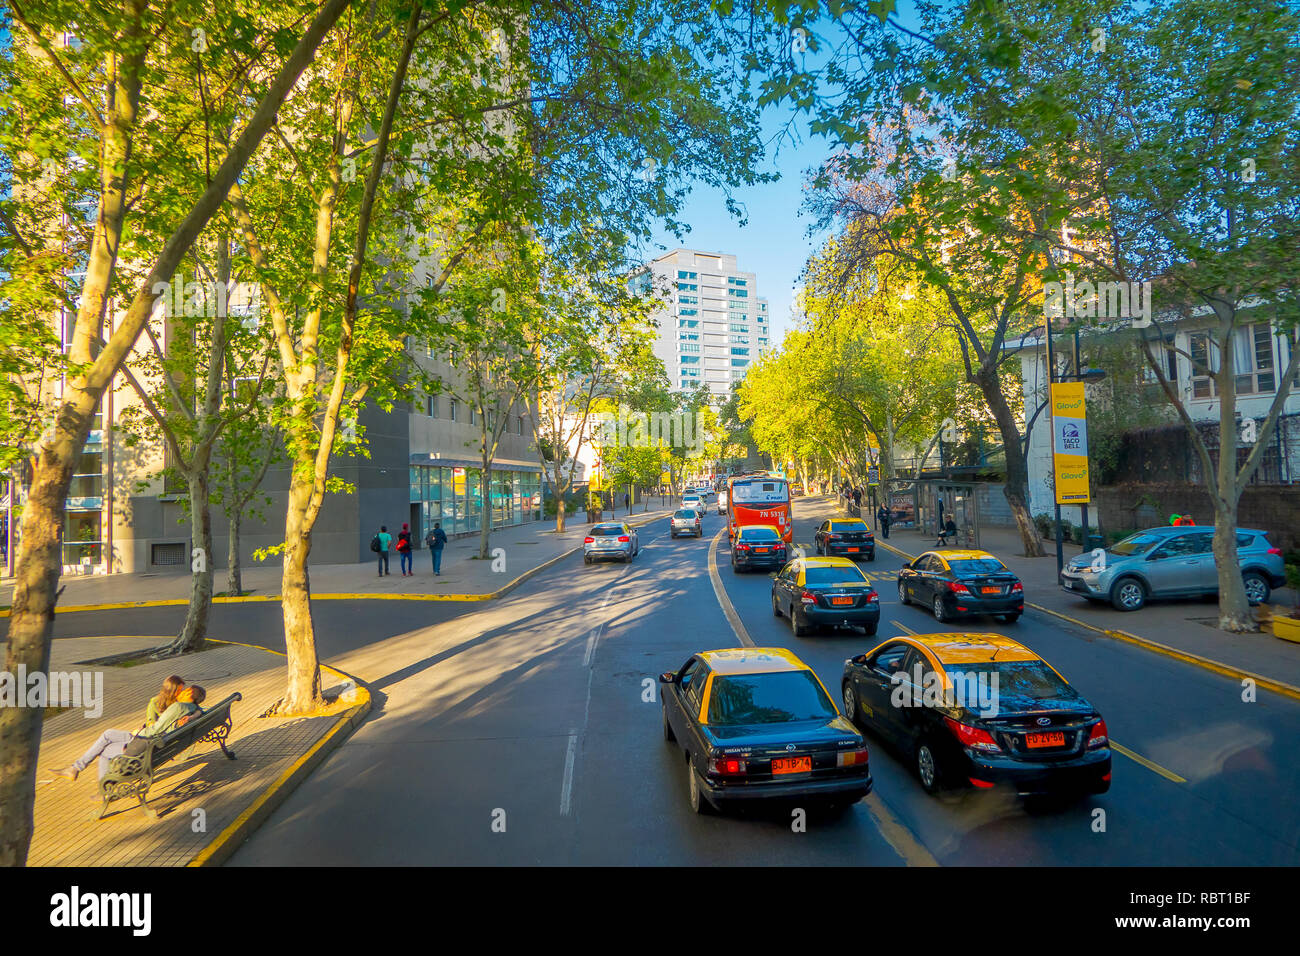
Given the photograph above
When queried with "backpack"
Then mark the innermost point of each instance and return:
(374, 544)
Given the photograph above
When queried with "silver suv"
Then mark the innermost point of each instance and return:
(1171, 562)
(687, 521)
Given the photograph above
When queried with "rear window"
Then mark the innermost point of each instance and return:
(1021, 685)
(848, 526)
(759, 534)
(1139, 543)
(835, 575)
(1245, 540)
(768, 699)
(606, 529)
(977, 566)
(686, 513)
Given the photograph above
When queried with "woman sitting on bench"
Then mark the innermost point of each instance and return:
(113, 743)
(949, 530)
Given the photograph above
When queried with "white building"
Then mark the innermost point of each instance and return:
(714, 325)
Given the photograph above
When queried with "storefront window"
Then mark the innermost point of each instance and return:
(473, 511)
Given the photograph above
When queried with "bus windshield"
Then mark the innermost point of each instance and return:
(760, 491)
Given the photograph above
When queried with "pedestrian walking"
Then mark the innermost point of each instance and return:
(380, 544)
(627, 503)
(857, 501)
(883, 516)
(405, 558)
(436, 540)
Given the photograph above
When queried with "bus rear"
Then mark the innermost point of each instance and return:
(759, 499)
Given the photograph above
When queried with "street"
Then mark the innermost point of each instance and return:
(515, 732)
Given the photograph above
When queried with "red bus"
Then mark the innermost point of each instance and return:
(760, 498)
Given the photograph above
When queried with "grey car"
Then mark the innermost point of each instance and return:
(687, 521)
(610, 539)
(1172, 562)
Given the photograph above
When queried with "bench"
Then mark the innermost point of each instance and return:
(131, 775)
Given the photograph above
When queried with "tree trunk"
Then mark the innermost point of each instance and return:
(234, 576)
(559, 513)
(1234, 608)
(195, 631)
(485, 508)
(1017, 486)
(302, 696)
(31, 627)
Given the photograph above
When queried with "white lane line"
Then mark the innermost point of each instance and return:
(566, 790)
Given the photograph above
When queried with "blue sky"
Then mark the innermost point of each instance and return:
(774, 244)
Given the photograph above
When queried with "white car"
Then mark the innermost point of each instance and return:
(722, 502)
(693, 502)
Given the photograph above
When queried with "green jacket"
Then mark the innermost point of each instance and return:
(169, 717)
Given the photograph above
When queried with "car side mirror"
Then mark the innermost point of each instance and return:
(667, 678)
(1157, 556)
(860, 659)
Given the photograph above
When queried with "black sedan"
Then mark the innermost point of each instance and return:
(955, 584)
(755, 723)
(825, 592)
(849, 537)
(757, 546)
(979, 710)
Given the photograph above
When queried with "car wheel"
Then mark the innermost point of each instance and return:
(699, 803)
(902, 594)
(586, 559)
(1128, 594)
(870, 629)
(850, 701)
(927, 768)
(797, 629)
(1257, 589)
(1008, 618)
(819, 548)
(776, 608)
(668, 728)
(939, 614)
(871, 555)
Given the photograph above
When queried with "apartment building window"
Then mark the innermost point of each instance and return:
(1165, 354)
(1252, 361)
(688, 311)
(739, 363)
(738, 327)
(688, 323)
(431, 406)
(687, 287)
(735, 351)
(451, 409)
(739, 339)
(688, 299)
(686, 275)
(689, 359)
(521, 424)
(688, 347)
(473, 416)
(738, 293)
(732, 280)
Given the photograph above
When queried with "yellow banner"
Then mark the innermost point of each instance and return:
(1070, 443)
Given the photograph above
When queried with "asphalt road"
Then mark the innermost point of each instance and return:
(518, 732)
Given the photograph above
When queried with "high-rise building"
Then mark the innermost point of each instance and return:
(714, 324)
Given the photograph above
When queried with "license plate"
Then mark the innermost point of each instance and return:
(760, 550)
(852, 549)
(841, 600)
(792, 765)
(990, 590)
(1053, 739)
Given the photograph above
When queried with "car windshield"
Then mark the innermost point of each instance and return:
(606, 529)
(976, 566)
(1020, 686)
(685, 513)
(768, 699)
(758, 534)
(1135, 544)
(833, 575)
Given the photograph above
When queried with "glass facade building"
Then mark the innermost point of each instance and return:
(452, 494)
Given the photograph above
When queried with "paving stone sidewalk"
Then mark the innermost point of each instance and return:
(1190, 626)
(66, 831)
(524, 548)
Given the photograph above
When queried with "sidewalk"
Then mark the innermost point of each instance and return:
(1184, 626)
(206, 804)
(525, 550)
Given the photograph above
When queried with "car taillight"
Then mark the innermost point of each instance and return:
(726, 766)
(808, 597)
(588, 540)
(1017, 588)
(1277, 551)
(832, 537)
(623, 537)
(1099, 736)
(740, 546)
(972, 738)
(873, 596)
(851, 758)
(956, 587)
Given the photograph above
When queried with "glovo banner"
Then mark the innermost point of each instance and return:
(1070, 443)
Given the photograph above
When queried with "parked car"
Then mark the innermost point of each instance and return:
(953, 584)
(610, 539)
(757, 546)
(755, 723)
(1171, 562)
(686, 521)
(1026, 728)
(825, 592)
(849, 537)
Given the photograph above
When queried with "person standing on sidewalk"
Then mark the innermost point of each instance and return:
(404, 556)
(385, 542)
(436, 540)
(857, 502)
(882, 515)
(627, 502)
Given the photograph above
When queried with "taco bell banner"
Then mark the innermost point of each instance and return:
(1070, 443)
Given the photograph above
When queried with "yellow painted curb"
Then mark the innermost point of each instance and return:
(341, 596)
(229, 839)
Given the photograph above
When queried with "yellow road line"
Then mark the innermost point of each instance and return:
(1149, 764)
(896, 834)
(904, 627)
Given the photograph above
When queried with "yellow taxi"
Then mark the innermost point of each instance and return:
(825, 593)
(955, 583)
